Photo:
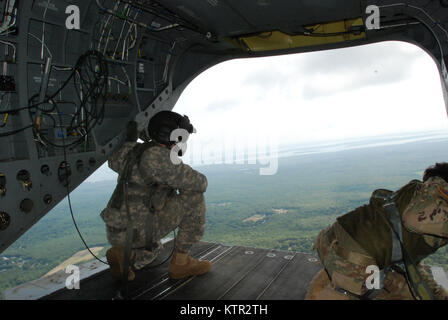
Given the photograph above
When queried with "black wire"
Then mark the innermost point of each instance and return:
(14, 110)
(92, 70)
(68, 194)
(95, 90)
(11, 112)
(92, 91)
(10, 133)
(167, 15)
(76, 226)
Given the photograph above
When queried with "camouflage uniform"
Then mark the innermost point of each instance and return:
(161, 193)
(362, 238)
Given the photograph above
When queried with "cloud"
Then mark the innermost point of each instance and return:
(320, 95)
(326, 73)
(223, 104)
(356, 68)
(361, 58)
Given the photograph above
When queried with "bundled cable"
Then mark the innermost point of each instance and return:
(89, 78)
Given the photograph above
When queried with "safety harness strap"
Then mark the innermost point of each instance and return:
(150, 245)
(133, 157)
(399, 254)
(393, 216)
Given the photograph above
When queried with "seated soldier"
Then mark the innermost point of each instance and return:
(154, 196)
(393, 233)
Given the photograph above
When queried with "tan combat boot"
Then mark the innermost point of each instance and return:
(115, 259)
(182, 266)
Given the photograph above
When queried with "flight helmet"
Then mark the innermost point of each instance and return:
(162, 125)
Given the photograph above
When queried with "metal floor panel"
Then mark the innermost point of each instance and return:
(103, 286)
(238, 273)
(292, 283)
(165, 288)
(225, 272)
(260, 278)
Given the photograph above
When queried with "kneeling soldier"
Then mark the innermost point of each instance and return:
(392, 235)
(153, 197)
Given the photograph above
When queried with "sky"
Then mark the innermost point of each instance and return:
(371, 90)
(363, 91)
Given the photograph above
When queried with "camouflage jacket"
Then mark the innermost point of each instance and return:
(369, 227)
(151, 182)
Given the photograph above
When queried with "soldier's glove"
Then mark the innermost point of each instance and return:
(131, 131)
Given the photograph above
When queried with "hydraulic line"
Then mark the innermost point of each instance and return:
(436, 23)
(143, 25)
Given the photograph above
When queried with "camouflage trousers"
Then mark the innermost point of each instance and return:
(345, 264)
(183, 210)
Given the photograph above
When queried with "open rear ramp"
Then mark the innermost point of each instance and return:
(238, 273)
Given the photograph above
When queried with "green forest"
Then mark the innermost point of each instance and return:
(283, 211)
